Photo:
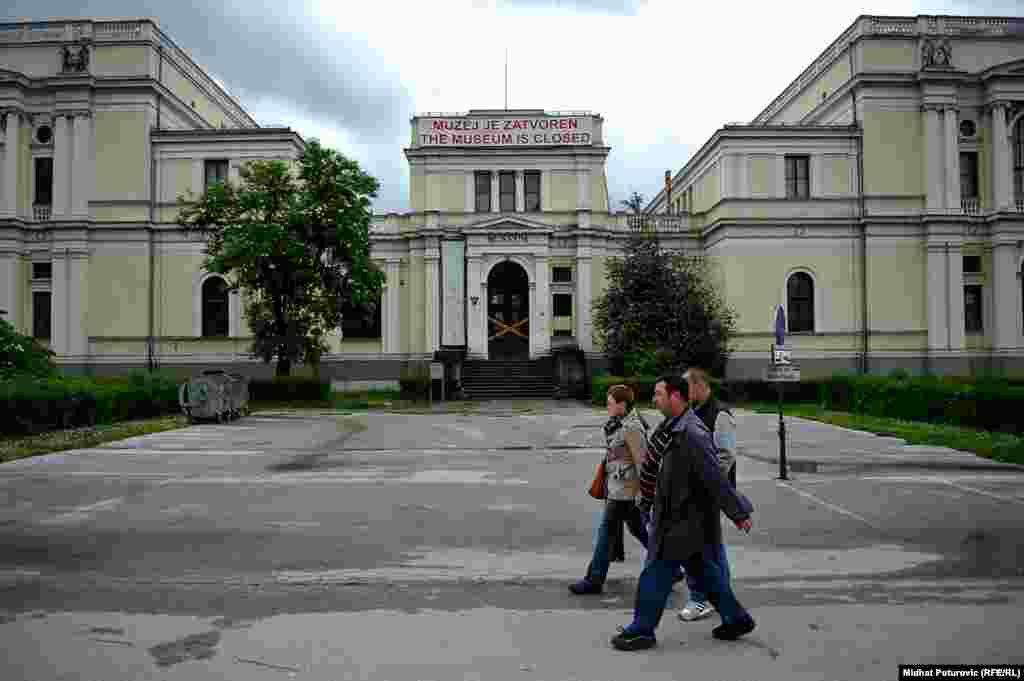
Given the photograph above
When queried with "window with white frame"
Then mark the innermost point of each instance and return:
(800, 302)
(215, 308)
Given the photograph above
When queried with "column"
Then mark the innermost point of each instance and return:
(391, 314)
(1000, 158)
(12, 144)
(540, 324)
(1005, 306)
(957, 332)
(82, 183)
(470, 191)
(936, 295)
(431, 303)
(10, 287)
(520, 197)
(476, 288)
(61, 167)
(933, 159)
(495, 195)
(952, 160)
(77, 295)
(584, 331)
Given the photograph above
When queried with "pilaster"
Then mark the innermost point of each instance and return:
(583, 189)
(476, 304)
(584, 326)
(391, 312)
(1005, 304)
(951, 135)
(520, 197)
(12, 142)
(431, 299)
(470, 191)
(62, 141)
(933, 155)
(82, 183)
(69, 293)
(1000, 157)
(540, 333)
(495, 195)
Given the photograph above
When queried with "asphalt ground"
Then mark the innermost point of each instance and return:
(390, 546)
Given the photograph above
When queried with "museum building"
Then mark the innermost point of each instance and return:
(878, 199)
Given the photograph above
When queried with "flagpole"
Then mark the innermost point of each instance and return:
(506, 79)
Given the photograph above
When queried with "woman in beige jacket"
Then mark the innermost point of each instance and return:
(626, 441)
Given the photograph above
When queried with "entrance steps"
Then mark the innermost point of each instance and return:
(497, 379)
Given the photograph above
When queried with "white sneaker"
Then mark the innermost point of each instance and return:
(696, 611)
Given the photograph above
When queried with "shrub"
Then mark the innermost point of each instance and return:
(20, 354)
(289, 389)
(415, 382)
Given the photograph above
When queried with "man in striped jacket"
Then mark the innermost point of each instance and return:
(658, 443)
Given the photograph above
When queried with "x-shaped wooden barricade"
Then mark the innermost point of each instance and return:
(504, 328)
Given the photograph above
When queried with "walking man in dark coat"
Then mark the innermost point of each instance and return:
(691, 492)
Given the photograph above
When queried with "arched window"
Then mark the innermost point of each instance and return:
(1018, 159)
(215, 307)
(800, 302)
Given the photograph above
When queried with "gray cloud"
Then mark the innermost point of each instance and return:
(612, 7)
(260, 50)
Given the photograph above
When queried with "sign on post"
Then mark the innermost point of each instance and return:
(782, 373)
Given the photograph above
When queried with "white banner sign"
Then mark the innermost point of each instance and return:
(505, 132)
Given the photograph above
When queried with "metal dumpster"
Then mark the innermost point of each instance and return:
(239, 394)
(205, 397)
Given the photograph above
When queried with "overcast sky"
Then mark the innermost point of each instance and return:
(664, 74)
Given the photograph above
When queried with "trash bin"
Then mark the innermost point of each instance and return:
(205, 397)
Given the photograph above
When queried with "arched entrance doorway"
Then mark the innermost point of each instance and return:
(508, 312)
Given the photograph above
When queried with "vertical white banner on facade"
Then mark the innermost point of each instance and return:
(453, 297)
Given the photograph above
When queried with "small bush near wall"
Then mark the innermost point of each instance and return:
(289, 389)
(414, 382)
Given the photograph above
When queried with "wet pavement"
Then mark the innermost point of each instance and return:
(439, 546)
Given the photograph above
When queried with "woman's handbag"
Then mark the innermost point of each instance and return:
(597, 487)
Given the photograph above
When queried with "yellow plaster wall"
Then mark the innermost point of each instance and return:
(120, 213)
(121, 144)
(837, 175)
(417, 190)
(897, 267)
(762, 176)
(893, 159)
(118, 293)
(598, 193)
(709, 189)
(888, 55)
(183, 87)
(598, 285)
(119, 60)
(174, 294)
(560, 188)
(452, 191)
(175, 178)
(361, 346)
(827, 82)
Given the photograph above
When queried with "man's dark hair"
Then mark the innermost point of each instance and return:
(674, 383)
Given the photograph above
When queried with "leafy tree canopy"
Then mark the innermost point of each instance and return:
(297, 242)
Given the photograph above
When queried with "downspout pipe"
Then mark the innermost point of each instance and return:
(862, 215)
(151, 341)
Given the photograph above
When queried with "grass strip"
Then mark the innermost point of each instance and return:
(14, 447)
(1002, 447)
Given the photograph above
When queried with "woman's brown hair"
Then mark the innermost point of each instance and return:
(622, 393)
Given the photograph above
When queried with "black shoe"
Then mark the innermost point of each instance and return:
(732, 631)
(627, 641)
(585, 587)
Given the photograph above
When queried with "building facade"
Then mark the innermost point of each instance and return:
(879, 198)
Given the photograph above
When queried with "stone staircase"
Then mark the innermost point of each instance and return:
(498, 379)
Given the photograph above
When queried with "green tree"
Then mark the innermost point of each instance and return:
(635, 202)
(20, 354)
(297, 242)
(662, 310)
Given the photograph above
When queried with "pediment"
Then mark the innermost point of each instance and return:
(505, 223)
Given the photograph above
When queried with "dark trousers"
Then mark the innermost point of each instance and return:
(655, 584)
(616, 514)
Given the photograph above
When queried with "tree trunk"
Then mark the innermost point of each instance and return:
(284, 366)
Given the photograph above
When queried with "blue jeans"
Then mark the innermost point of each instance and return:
(698, 593)
(655, 584)
(614, 512)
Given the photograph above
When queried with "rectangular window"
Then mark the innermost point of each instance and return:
(798, 185)
(361, 322)
(482, 179)
(561, 275)
(216, 171)
(42, 270)
(507, 191)
(561, 304)
(41, 314)
(44, 182)
(972, 264)
(531, 188)
(968, 175)
(972, 309)
(562, 333)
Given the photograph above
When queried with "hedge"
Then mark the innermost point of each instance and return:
(289, 388)
(32, 404)
(992, 404)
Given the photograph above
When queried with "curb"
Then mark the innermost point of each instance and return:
(811, 466)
